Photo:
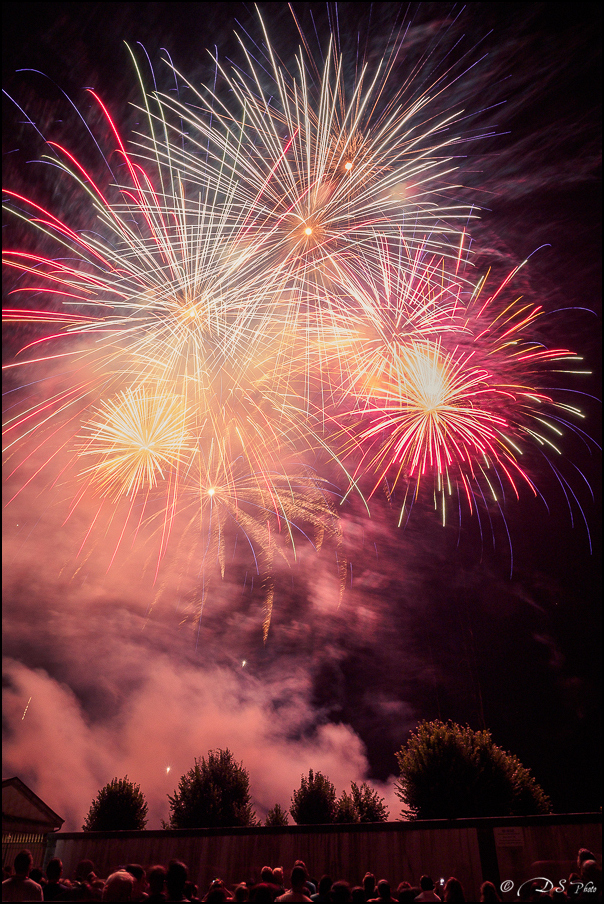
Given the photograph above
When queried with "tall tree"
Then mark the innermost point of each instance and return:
(215, 792)
(345, 809)
(276, 816)
(363, 804)
(368, 804)
(314, 802)
(449, 771)
(120, 805)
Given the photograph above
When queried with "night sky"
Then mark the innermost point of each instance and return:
(435, 622)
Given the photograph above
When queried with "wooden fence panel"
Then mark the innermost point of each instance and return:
(548, 851)
(236, 857)
(395, 851)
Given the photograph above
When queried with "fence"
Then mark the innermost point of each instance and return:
(510, 850)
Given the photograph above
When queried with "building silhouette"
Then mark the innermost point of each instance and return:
(26, 822)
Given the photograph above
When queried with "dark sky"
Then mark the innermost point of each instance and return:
(433, 625)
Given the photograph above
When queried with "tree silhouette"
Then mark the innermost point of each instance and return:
(368, 804)
(363, 804)
(314, 803)
(120, 805)
(450, 771)
(345, 809)
(215, 792)
(276, 816)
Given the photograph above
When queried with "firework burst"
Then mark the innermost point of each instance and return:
(135, 439)
(320, 166)
(170, 385)
(276, 286)
(462, 406)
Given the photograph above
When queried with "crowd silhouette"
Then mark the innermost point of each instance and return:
(159, 883)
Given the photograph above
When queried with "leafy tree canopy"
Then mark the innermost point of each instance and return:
(345, 809)
(120, 805)
(215, 792)
(276, 816)
(363, 804)
(448, 771)
(368, 804)
(314, 803)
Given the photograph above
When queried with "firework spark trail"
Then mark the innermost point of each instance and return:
(332, 172)
(281, 293)
(344, 167)
(381, 308)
